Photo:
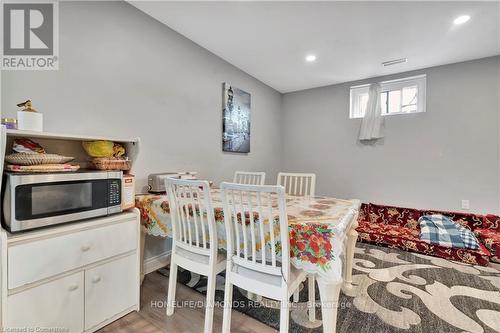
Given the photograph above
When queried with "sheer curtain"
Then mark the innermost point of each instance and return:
(372, 124)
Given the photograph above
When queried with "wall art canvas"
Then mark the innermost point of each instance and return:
(236, 120)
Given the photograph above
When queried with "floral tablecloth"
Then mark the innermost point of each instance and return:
(317, 227)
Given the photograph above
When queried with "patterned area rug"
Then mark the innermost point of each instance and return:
(393, 291)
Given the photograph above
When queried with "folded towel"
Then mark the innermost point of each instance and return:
(441, 230)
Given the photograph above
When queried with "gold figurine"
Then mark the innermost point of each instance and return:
(28, 107)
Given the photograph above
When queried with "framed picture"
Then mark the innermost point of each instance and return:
(235, 120)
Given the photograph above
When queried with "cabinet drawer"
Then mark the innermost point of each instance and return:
(110, 289)
(54, 305)
(39, 259)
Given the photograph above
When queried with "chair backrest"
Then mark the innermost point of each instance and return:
(257, 227)
(249, 178)
(300, 184)
(193, 221)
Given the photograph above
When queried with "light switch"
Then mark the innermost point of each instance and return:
(465, 204)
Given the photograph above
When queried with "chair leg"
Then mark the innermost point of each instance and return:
(312, 298)
(172, 285)
(228, 300)
(296, 295)
(284, 313)
(210, 302)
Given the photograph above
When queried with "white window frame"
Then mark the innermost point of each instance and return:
(356, 93)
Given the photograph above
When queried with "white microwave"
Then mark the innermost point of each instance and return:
(37, 200)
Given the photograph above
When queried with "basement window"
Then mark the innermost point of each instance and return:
(401, 96)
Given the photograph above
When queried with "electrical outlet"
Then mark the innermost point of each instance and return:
(465, 204)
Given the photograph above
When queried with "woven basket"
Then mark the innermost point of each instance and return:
(110, 163)
(36, 159)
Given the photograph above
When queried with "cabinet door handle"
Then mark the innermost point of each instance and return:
(96, 279)
(73, 287)
(85, 247)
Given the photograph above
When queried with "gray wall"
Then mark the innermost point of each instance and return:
(123, 74)
(427, 160)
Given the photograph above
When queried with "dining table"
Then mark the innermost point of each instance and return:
(322, 234)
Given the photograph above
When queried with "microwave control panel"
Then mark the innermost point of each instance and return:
(114, 192)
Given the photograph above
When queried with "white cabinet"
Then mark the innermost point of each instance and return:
(57, 304)
(76, 278)
(107, 290)
(33, 261)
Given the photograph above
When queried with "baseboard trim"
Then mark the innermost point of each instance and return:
(154, 263)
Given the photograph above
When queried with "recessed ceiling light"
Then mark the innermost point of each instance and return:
(310, 58)
(394, 62)
(461, 19)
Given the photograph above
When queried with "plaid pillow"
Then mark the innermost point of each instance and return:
(468, 237)
(440, 230)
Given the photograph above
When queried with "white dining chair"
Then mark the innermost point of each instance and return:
(249, 178)
(194, 239)
(299, 184)
(250, 219)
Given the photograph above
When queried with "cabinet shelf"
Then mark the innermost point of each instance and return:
(64, 136)
(64, 144)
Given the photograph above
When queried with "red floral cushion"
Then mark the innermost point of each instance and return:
(470, 221)
(492, 222)
(409, 239)
(388, 229)
(491, 240)
(364, 211)
(398, 227)
(404, 217)
(408, 217)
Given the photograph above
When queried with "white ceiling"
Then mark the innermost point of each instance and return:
(269, 40)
